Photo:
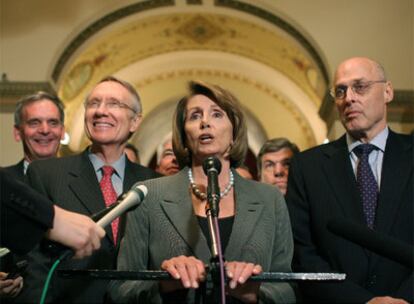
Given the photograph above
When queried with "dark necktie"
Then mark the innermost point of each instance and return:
(367, 185)
(109, 194)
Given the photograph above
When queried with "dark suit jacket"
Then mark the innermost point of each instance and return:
(72, 184)
(17, 170)
(24, 212)
(322, 185)
(164, 226)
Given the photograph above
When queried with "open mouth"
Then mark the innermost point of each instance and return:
(206, 138)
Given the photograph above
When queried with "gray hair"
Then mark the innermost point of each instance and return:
(137, 106)
(35, 98)
(160, 147)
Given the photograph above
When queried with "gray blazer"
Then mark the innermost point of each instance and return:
(165, 226)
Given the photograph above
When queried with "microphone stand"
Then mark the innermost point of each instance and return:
(216, 273)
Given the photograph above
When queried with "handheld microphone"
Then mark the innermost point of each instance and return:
(212, 168)
(376, 242)
(128, 202)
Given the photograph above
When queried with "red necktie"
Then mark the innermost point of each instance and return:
(109, 194)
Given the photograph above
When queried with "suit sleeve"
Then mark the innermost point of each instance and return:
(307, 255)
(23, 211)
(134, 256)
(282, 251)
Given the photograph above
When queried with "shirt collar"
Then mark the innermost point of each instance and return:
(378, 141)
(25, 166)
(118, 165)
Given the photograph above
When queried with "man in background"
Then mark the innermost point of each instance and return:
(273, 162)
(166, 160)
(39, 125)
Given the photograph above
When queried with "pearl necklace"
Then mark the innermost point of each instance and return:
(203, 196)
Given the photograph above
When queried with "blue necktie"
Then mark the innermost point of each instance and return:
(367, 185)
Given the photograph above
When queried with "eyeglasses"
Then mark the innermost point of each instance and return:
(360, 88)
(111, 104)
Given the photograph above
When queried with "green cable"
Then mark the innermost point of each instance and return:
(49, 277)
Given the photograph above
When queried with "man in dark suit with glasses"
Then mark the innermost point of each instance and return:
(365, 176)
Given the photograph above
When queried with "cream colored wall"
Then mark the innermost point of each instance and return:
(34, 33)
(10, 151)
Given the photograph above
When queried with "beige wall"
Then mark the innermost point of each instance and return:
(34, 33)
(11, 151)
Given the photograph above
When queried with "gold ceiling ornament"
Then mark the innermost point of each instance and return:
(145, 37)
(200, 29)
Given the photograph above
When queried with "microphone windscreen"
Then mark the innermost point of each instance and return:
(211, 163)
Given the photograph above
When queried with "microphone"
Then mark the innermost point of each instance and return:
(376, 242)
(212, 168)
(128, 202)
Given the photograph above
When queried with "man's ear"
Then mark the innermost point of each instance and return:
(389, 92)
(136, 121)
(17, 134)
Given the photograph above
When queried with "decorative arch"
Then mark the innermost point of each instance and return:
(159, 46)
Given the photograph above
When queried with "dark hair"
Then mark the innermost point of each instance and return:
(133, 149)
(226, 101)
(274, 145)
(22, 103)
(129, 87)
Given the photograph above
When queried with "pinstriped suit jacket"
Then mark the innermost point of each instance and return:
(16, 170)
(165, 226)
(72, 184)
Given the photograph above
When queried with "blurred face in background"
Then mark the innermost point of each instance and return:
(168, 163)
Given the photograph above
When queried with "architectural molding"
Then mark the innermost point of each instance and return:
(250, 9)
(99, 25)
(280, 23)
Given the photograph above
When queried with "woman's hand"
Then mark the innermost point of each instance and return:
(239, 273)
(10, 287)
(189, 270)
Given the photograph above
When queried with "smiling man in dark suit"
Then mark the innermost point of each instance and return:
(365, 176)
(87, 182)
(39, 125)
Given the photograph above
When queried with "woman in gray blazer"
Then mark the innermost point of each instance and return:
(169, 230)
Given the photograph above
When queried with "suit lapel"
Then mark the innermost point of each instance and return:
(248, 210)
(84, 184)
(178, 207)
(342, 185)
(394, 177)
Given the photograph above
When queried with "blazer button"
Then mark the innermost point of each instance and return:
(372, 280)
